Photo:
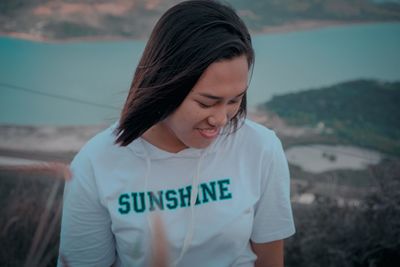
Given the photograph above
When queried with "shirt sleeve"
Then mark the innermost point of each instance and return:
(86, 238)
(273, 219)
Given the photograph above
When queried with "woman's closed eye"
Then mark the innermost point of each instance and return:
(209, 105)
(235, 101)
(204, 105)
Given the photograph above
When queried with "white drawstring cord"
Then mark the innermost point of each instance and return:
(193, 196)
(146, 183)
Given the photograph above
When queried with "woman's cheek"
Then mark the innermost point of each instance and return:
(233, 111)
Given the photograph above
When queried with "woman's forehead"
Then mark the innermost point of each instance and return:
(227, 77)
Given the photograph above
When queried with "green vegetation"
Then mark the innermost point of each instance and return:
(9, 7)
(65, 29)
(364, 113)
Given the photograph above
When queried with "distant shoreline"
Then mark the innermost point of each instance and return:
(305, 25)
(302, 25)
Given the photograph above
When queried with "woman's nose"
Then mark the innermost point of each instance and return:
(218, 118)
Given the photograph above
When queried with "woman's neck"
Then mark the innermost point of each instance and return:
(163, 138)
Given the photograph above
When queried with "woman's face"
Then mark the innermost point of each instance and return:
(210, 105)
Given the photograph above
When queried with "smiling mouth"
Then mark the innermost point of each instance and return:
(209, 133)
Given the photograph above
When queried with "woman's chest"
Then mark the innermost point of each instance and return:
(220, 218)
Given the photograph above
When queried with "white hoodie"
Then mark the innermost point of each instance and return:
(243, 194)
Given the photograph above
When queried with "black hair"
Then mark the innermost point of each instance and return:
(185, 41)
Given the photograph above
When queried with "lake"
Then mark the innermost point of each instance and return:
(87, 82)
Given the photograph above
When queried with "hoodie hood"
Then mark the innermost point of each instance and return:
(143, 148)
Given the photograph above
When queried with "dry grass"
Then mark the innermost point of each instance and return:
(30, 219)
(327, 235)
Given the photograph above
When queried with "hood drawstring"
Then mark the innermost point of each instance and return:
(193, 197)
(146, 181)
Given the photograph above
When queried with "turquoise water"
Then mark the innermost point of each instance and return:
(101, 72)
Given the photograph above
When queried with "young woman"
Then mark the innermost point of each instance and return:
(183, 149)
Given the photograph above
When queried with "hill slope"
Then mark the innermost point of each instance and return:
(363, 112)
(66, 19)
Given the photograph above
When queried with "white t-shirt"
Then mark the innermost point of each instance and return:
(243, 188)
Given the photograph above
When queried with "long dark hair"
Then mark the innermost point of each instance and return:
(185, 41)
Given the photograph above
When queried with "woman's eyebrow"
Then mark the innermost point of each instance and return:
(220, 98)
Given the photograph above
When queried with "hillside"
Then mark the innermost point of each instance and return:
(363, 112)
(77, 19)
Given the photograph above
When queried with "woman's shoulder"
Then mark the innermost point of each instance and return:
(101, 145)
(252, 138)
(253, 132)
(101, 140)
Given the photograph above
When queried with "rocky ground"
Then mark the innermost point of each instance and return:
(57, 143)
(27, 147)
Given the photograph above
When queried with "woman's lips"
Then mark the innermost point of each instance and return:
(209, 133)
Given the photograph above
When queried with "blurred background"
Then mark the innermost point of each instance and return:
(326, 79)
